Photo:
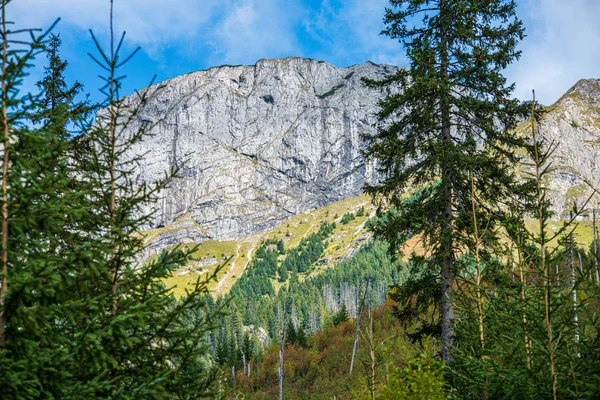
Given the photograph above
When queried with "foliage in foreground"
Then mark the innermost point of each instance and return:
(80, 316)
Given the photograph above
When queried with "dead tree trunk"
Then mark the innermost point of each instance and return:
(358, 315)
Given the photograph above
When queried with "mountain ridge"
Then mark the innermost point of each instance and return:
(262, 143)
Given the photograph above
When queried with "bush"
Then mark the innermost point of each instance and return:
(421, 378)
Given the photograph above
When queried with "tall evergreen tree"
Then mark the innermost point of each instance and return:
(56, 92)
(446, 118)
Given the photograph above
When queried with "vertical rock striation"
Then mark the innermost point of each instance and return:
(256, 145)
(573, 123)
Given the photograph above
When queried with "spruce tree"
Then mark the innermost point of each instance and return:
(55, 90)
(446, 118)
(541, 327)
(148, 343)
(35, 281)
(82, 314)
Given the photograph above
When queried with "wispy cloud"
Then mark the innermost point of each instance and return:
(147, 22)
(253, 29)
(236, 30)
(563, 46)
(562, 43)
(350, 32)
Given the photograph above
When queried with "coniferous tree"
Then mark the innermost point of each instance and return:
(94, 321)
(341, 316)
(540, 322)
(446, 118)
(290, 333)
(36, 282)
(56, 92)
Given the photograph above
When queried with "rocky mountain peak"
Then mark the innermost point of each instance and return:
(588, 89)
(573, 123)
(256, 144)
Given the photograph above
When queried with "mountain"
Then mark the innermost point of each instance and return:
(255, 145)
(573, 123)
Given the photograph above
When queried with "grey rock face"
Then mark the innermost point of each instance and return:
(573, 123)
(256, 145)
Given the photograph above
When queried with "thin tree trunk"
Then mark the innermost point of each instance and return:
(544, 266)
(446, 241)
(574, 289)
(478, 265)
(281, 373)
(355, 348)
(595, 247)
(113, 127)
(371, 355)
(5, 145)
(281, 356)
(523, 277)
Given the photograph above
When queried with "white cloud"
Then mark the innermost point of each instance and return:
(253, 29)
(563, 46)
(352, 32)
(237, 30)
(563, 43)
(147, 22)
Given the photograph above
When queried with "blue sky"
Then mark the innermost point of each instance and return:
(179, 36)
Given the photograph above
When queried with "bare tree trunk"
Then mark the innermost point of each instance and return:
(446, 242)
(478, 265)
(281, 373)
(545, 266)
(574, 289)
(257, 368)
(523, 277)
(360, 308)
(281, 356)
(595, 247)
(113, 161)
(372, 355)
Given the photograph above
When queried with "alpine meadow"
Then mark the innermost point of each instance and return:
(254, 224)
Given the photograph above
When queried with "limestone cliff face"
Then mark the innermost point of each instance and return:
(573, 123)
(259, 144)
(256, 145)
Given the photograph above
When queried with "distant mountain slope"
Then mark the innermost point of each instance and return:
(573, 123)
(260, 144)
(257, 145)
(345, 240)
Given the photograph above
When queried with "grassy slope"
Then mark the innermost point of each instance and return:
(344, 241)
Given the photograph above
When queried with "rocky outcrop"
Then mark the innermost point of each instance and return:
(258, 144)
(573, 124)
(255, 145)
